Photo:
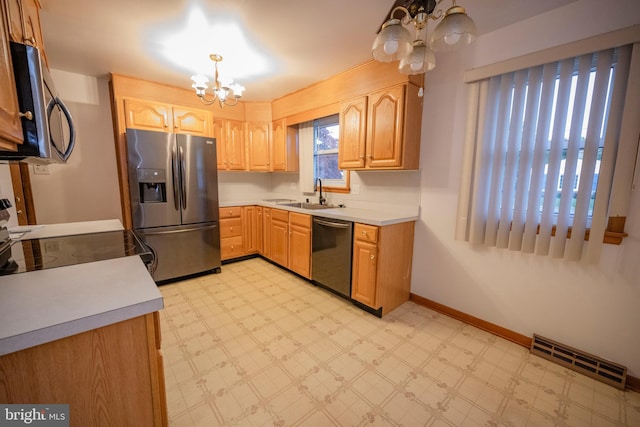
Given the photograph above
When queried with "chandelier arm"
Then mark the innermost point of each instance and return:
(406, 19)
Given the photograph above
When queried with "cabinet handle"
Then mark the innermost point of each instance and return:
(373, 257)
(364, 232)
(28, 115)
(230, 228)
(17, 199)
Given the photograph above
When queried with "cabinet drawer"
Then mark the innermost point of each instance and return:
(230, 227)
(231, 212)
(367, 233)
(279, 215)
(303, 220)
(231, 247)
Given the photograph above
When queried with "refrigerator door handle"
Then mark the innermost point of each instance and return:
(174, 176)
(149, 232)
(183, 172)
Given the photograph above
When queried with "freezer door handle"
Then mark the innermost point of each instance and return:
(174, 176)
(183, 172)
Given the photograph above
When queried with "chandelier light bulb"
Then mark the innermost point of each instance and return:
(420, 60)
(392, 42)
(390, 47)
(456, 30)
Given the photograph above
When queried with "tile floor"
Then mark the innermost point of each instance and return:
(258, 346)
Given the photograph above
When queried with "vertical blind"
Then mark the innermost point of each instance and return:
(544, 143)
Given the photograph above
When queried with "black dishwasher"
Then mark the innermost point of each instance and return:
(331, 254)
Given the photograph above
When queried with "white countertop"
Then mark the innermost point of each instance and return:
(42, 306)
(365, 216)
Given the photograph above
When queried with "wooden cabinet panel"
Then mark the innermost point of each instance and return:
(191, 121)
(384, 128)
(94, 372)
(218, 132)
(235, 147)
(364, 276)
(259, 229)
(10, 124)
(391, 137)
(231, 247)
(32, 33)
(381, 270)
(15, 20)
(252, 229)
(231, 212)
(353, 133)
(147, 115)
(279, 238)
(257, 135)
(300, 244)
(266, 232)
(284, 147)
(232, 244)
(230, 227)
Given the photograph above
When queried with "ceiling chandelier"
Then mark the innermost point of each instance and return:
(225, 92)
(393, 42)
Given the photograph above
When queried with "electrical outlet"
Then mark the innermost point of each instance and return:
(355, 189)
(41, 169)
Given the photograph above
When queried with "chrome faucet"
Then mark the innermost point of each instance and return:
(321, 199)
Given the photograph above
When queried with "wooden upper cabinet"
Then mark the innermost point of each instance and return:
(381, 130)
(284, 147)
(191, 121)
(218, 132)
(259, 155)
(384, 128)
(353, 133)
(24, 23)
(147, 115)
(235, 146)
(279, 146)
(10, 124)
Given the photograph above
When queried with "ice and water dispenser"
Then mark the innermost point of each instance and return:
(153, 185)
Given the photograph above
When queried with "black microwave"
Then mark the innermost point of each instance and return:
(47, 126)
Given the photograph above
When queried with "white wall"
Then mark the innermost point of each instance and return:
(86, 187)
(593, 308)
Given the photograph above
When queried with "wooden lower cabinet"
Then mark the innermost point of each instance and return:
(112, 375)
(299, 259)
(287, 240)
(279, 237)
(231, 233)
(382, 259)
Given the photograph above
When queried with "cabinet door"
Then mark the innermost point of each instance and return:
(31, 31)
(218, 132)
(235, 148)
(258, 144)
(279, 146)
(300, 250)
(193, 122)
(10, 124)
(384, 128)
(250, 219)
(259, 230)
(279, 242)
(353, 133)
(364, 276)
(147, 115)
(15, 20)
(266, 232)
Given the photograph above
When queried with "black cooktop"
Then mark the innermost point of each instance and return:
(40, 254)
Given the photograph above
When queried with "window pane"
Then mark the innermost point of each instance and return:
(325, 151)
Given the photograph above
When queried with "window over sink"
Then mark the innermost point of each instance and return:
(326, 132)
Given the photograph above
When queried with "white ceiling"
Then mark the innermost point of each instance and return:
(297, 42)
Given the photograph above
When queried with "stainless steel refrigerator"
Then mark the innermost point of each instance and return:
(173, 186)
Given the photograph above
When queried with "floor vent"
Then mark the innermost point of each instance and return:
(595, 367)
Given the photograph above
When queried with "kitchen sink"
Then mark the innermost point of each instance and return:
(304, 205)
